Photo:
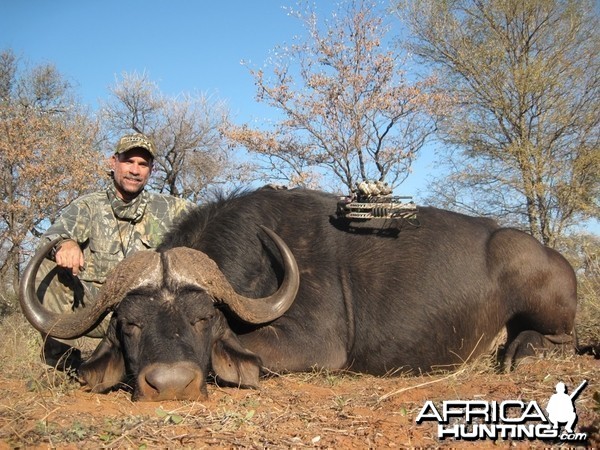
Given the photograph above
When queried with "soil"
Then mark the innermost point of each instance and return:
(40, 408)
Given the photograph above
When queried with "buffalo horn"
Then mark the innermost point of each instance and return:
(182, 264)
(131, 273)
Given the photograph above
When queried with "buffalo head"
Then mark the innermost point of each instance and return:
(168, 329)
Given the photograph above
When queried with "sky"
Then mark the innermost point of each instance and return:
(184, 46)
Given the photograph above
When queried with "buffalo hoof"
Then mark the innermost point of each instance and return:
(531, 344)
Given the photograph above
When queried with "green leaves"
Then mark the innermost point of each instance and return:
(169, 417)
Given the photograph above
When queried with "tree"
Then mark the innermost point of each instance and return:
(523, 138)
(187, 130)
(348, 107)
(48, 156)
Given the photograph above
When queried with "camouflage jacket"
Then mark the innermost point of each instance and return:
(108, 229)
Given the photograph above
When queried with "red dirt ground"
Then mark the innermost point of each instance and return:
(315, 410)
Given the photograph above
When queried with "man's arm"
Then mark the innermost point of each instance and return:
(73, 225)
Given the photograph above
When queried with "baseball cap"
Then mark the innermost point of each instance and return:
(137, 140)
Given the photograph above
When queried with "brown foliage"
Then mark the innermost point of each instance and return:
(47, 156)
(348, 107)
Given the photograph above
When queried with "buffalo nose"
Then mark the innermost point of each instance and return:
(178, 381)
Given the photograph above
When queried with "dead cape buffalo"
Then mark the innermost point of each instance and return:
(270, 279)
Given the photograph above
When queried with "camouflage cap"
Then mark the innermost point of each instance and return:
(137, 140)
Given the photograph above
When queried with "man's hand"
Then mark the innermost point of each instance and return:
(69, 256)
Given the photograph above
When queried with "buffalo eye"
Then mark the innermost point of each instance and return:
(201, 322)
(131, 328)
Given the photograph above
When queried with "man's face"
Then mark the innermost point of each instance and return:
(132, 170)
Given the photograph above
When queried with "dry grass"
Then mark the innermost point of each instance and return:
(41, 408)
(588, 313)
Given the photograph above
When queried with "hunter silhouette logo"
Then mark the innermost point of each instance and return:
(561, 406)
(510, 419)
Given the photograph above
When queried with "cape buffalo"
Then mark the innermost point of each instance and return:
(273, 280)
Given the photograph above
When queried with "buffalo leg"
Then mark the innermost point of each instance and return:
(287, 347)
(542, 290)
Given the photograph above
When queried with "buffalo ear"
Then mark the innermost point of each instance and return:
(104, 368)
(233, 364)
